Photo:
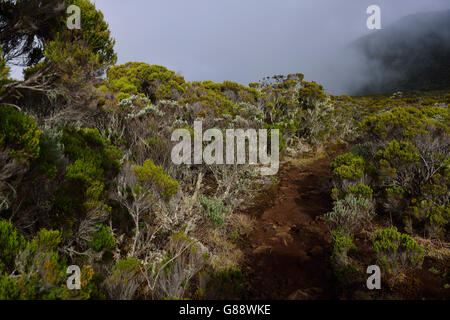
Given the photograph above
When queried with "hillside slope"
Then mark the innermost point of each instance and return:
(411, 54)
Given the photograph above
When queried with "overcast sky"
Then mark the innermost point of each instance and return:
(245, 40)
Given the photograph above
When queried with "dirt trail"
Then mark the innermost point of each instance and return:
(290, 246)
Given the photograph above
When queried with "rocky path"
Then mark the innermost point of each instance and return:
(290, 246)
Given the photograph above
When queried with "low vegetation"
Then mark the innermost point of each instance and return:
(86, 176)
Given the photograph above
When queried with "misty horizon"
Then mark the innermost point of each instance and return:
(246, 42)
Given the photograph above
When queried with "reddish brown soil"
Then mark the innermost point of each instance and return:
(290, 246)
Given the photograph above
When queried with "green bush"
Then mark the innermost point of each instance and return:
(94, 32)
(156, 82)
(405, 122)
(348, 166)
(40, 272)
(124, 279)
(215, 210)
(128, 266)
(10, 244)
(434, 217)
(92, 165)
(403, 154)
(437, 221)
(398, 161)
(149, 173)
(93, 159)
(360, 190)
(9, 289)
(396, 252)
(18, 134)
(343, 266)
(102, 239)
(350, 214)
(342, 243)
(51, 151)
(310, 95)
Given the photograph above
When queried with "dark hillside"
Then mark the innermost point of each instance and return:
(412, 54)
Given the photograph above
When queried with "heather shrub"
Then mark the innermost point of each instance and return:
(51, 155)
(348, 167)
(92, 158)
(9, 289)
(10, 244)
(403, 157)
(350, 214)
(92, 164)
(394, 199)
(102, 239)
(437, 221)
(40, 270)
(397, 253)
(342, 244)
(149, 173)
(18, 134)
(155, 82)
(360, 190)
(215, 210)
(397, 163)
(398, 123)
(427, 215)
(169, 277)
(344, 267)
(124, 280)
(310, 95)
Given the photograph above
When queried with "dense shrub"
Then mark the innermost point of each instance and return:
(349, 166)
(344, 268)
(51, 151)
(93, 159)
(350, 214)
(9, 289)
(426, 214)
(124, 279)
(311, 94)
(95, 32)
(360, 190)
(92, 164)
(342, 243)
(149, 173)
(403, 157)
(10, 244)
(397, 253)
(400, 122)
(39, 273)
(183, 258)
(215, 210)
(18, 134)
(155, 82)
(102, 239)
